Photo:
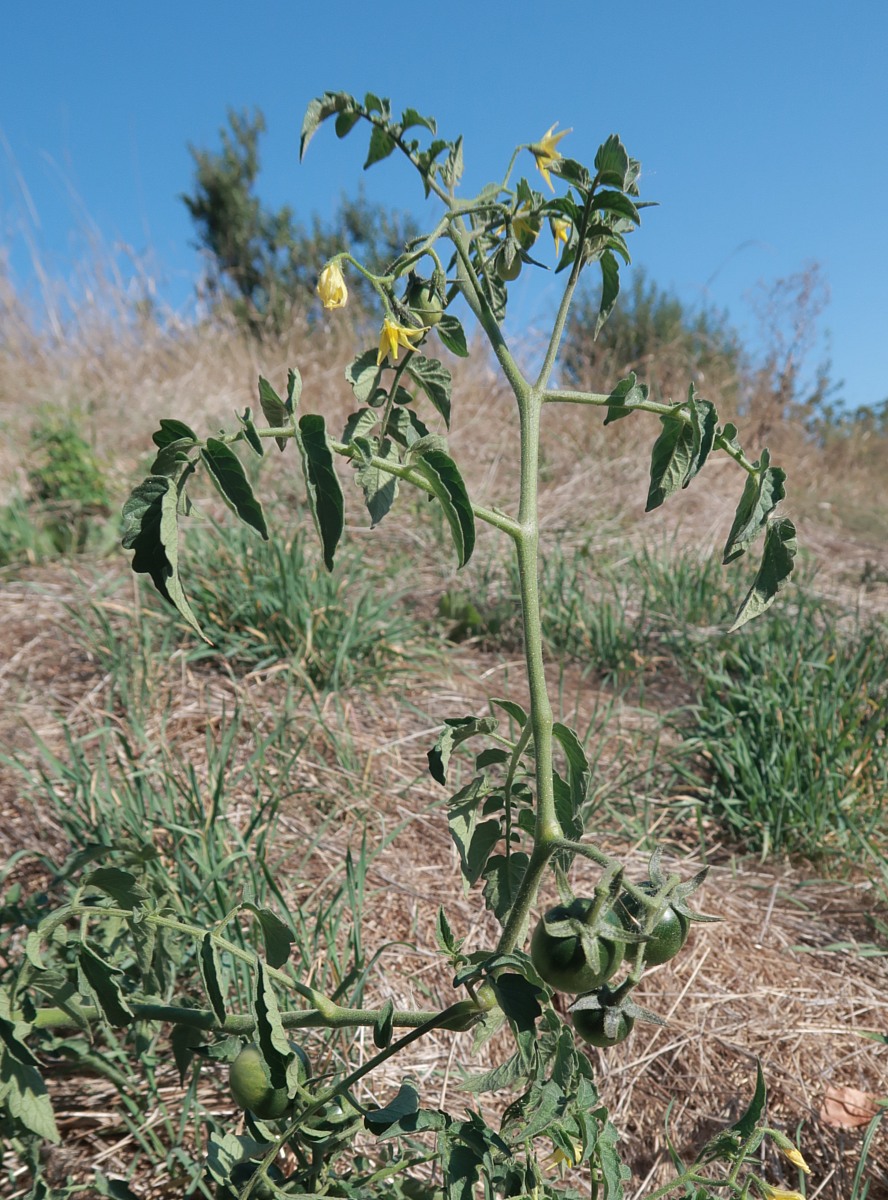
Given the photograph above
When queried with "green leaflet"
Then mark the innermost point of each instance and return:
(774, 571)
(762, 492)
(322, 484)
(435, 380)
(273, 409)
(151, 529)
(379, 487)
(455, 731)
(682, 448)
(232, 484)
(210, 970)
(446, 482)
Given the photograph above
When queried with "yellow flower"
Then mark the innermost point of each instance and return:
(394, 335)
(331, 287)
(560, 231)
(545, 153)
(773, 1193)
(796, 1158)
(524, 225)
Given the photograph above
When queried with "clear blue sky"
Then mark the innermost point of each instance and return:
(761, 128)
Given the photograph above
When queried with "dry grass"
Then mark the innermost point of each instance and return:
(760, 985)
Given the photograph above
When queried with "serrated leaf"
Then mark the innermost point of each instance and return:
(452, 334)
(456, 730)
(435, 380)
(24, 1096)
(446, 482)
(345, 123)
(381, 145)
(411, 118)
(379, 487)
(505, 1075)
(774, 572)
(626, 395)
(210, 973)
(762, 492)
(365, 375)
(101, 980)
(232, 484)
(502, 879)
(318, 111)
(322, 484)
(614, 1173)
(277, 935)
(670, 458)
(610, 289)
(273, 409)
(473, 839)
(173, 431)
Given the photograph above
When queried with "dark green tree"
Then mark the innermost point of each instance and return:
(264, 262)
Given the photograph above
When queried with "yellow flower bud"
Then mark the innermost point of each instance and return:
(796, 1158)
(331, 286)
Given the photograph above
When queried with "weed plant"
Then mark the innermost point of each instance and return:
(270, 602)
(788, 744)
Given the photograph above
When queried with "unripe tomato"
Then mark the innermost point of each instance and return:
(668, 935)
(507, 272)
(589, 1024)
(424, 300)
(251, 1086)
(564, 962)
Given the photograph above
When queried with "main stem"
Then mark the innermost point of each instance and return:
(547, 830)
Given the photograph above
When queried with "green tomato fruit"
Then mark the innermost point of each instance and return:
(508, 272)
(589, 1024)
(251, 1086)
(564, 962)
(668, 935)
(424, 300)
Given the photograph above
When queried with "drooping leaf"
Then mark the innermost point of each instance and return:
(101, 979)
(277, 935)
(442, 473)
(383, 1026)
(379, 487)
(365, 378)
(456, 730)
(474, 839)
(774, 571)
(626, 394)
(322, 484)
(452, 334)
(435, 380)
(519, 1000)
(610, 289)
(410, 117)
(359, 424)
(319, 110)
(502, 879)
(762, 492)
(273, 409)
(23, 1093)
(271, 1037)
(251, 434)
(210, 973)
(451, 171)
(671, 458)
(232, 484)
(614, 1172)
(171, 458)
(381, 145)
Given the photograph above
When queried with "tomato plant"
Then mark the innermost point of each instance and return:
(520, 817)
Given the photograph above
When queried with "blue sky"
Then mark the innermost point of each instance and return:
(761, 128)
